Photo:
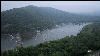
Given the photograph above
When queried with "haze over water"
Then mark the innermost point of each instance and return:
(47, 35)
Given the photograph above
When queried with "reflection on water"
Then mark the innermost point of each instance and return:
(59, 32)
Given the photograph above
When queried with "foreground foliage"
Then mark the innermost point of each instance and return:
(87, 39)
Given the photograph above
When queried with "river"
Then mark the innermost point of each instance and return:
(53, 34)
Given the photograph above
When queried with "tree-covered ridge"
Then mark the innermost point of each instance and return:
(91, 36)
(87, 39)
(27, 20)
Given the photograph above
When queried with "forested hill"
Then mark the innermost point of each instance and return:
(26, 20)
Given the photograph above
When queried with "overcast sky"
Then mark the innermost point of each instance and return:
(69, 6)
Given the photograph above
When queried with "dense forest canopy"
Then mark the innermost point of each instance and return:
(27, 20)
(87, 39)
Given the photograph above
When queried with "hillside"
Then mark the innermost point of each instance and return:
(27, 20)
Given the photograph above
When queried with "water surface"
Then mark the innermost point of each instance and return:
(57, 33)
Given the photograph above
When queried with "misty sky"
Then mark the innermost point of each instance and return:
(69, 6)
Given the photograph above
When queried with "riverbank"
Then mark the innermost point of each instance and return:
(60, 31)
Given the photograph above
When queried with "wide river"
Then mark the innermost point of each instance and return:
(47, 35)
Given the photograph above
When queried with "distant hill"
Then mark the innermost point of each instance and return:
(26, 20)
(95, 13)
